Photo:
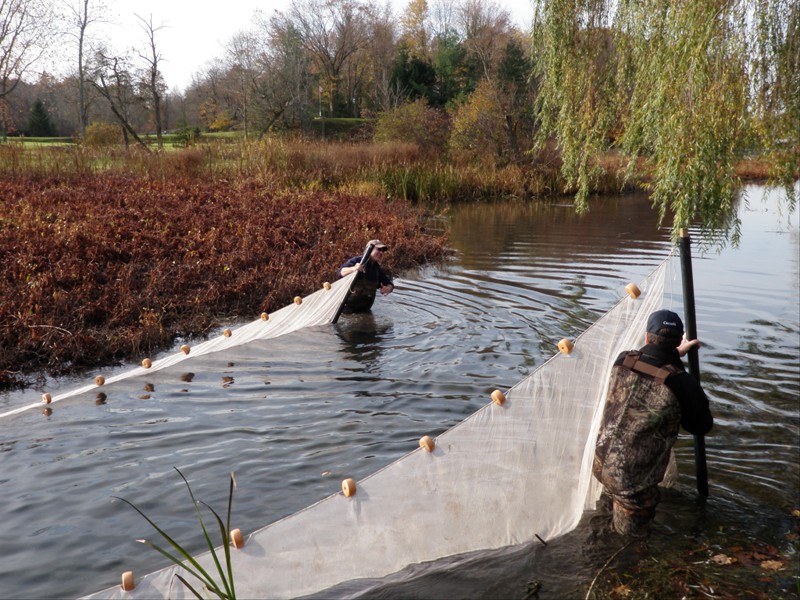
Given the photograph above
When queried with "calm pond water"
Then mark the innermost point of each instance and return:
(293, 416)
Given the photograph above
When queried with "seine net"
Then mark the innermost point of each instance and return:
(316, 309)
(504, 476)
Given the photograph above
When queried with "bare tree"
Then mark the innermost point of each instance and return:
(442, 15)
(82, 13)
(24, 25)
(331, 31)
(284, 82)
(242, 51)
(486, 28)
(113, 80)
(152, 79)
(382, 49)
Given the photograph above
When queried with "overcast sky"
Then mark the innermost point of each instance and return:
(195, 31)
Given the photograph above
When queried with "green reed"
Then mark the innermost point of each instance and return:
(220, 584)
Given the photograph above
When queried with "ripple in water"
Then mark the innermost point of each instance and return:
(295, 415)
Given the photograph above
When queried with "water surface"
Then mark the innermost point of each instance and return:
(295, 415)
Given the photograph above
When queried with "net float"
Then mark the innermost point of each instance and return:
(185, 349)
(326, 285)
(237, 540)
(565, 346)
(47, 398)
(264, 316)
(633, 290)
(427, 443)
(147, 363)
(498, 397)
(99, 380)
(298, 300)
(349, 487)
(227, 333)
(127, 581)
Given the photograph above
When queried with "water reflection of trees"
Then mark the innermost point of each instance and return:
(554, 230)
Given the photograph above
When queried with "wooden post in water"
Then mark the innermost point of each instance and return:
(701, 470)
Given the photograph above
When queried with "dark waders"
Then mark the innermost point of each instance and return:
(363, 261)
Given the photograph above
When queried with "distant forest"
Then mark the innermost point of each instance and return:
(339, 58)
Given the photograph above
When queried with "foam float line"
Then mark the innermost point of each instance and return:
(316, 309)
(508, 474)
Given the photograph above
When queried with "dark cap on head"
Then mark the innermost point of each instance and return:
(378, 244)
(665, 323)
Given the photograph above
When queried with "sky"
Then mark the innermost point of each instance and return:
(195, 31)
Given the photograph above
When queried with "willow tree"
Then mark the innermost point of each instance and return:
(682, 88)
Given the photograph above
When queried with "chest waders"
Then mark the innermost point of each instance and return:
(639, 427)
(362, 294)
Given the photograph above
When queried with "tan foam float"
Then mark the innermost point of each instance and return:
(99, 380)
(185, 349)
(349, 487)
(565, 346)
(326, 285)
(298, 300)
(237, 539)
(264, 316)
(633, 290)
(427, 443)
(127, 581)
(147, 363)
(47, 398)
(498, 397)
(227, 333)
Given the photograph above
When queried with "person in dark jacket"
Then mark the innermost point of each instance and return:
(370, 279)
(650, 396)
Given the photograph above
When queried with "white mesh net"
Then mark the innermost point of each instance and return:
(315, 309)
(504, 476)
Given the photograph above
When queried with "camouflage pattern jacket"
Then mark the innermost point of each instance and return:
(640, 424)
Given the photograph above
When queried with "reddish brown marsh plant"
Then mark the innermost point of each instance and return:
(103, 268)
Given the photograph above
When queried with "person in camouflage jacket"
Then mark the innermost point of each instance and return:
(650, 396)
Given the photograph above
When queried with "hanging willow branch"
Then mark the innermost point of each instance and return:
(682, 89)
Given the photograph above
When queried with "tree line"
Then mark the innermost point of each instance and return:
(681, 89)
(319, 58)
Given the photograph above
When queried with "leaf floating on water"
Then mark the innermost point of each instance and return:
(623, 590)
(772, 565)
(723, 559)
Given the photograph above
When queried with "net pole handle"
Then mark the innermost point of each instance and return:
(701, 469)
(363, 261)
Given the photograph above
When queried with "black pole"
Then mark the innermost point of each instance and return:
(363, 261)
(694, 362)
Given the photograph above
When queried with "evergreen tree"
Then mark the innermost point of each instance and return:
(39, 124)
(455, 76)
(414, 76)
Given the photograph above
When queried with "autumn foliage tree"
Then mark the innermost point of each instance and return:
(478, 130)
(415, 122)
